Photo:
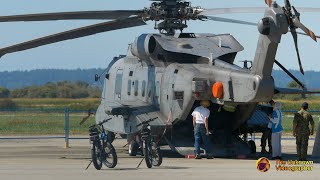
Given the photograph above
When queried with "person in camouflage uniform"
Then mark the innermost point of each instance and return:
(301, 130)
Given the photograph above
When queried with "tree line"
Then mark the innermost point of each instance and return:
(19, 79)
(63, 89)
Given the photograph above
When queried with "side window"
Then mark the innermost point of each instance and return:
(136, 87)
(129, 87)
(149, 88)
(157, 88)
(118, 84)
(143, 88)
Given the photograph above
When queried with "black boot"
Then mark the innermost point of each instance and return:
(263, 150)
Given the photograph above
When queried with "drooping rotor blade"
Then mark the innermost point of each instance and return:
(214, 18)
(94, 15)
(298, 24)
(220, 19)
(287, 5)
(233, 10)
(289, 73)
(268, 2)
(306, 9)
(296, 91)
(75, 33)
(215, 11)
(318, 37)
(295, 39)
(297, 14)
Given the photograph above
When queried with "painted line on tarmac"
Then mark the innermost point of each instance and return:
(15, 138)
(79, 138)
(51, 137)
(284, 138)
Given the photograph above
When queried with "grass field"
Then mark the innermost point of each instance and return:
(24, 123)
(57, 103)
(93, 103)
(40, 122)
(287, 123)
(314, 104)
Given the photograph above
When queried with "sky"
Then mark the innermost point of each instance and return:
(97, 50)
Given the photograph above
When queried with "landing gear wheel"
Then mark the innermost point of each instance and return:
(156, 155)
(133, 148)
(147, 151)
(110, 156)
(123, 136)
(252, 146)
(96, 155)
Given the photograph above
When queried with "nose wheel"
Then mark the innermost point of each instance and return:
(133, 148)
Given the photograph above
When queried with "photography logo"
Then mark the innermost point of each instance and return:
(263, 164)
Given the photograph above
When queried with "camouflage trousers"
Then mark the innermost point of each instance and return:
(302, 146)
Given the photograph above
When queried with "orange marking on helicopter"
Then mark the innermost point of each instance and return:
(217, 90)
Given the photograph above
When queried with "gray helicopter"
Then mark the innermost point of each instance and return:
(166, 75)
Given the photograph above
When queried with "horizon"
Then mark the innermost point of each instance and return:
(18, 79)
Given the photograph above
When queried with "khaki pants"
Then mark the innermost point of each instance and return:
(302, 146)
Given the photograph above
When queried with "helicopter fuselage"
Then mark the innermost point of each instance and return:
(151, 81)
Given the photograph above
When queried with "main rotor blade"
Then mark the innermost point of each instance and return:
(230, 20)
(268, 2)
(296, 13)
(287, 5)
(214, 18)
(318, 37)
(75, 33)
(307, 9)
(95, 15)
(296, 91)
(289, 73)
(298, 24)
(295, 38)
(215, 11)
(233, 10)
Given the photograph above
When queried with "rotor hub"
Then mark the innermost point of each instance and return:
(173, 14)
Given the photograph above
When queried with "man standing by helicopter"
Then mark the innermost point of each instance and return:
(201, 129)
(301, 130)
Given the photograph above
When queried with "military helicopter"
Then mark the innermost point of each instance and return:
(165, 75)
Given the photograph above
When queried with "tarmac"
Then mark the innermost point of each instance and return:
(48, 159)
